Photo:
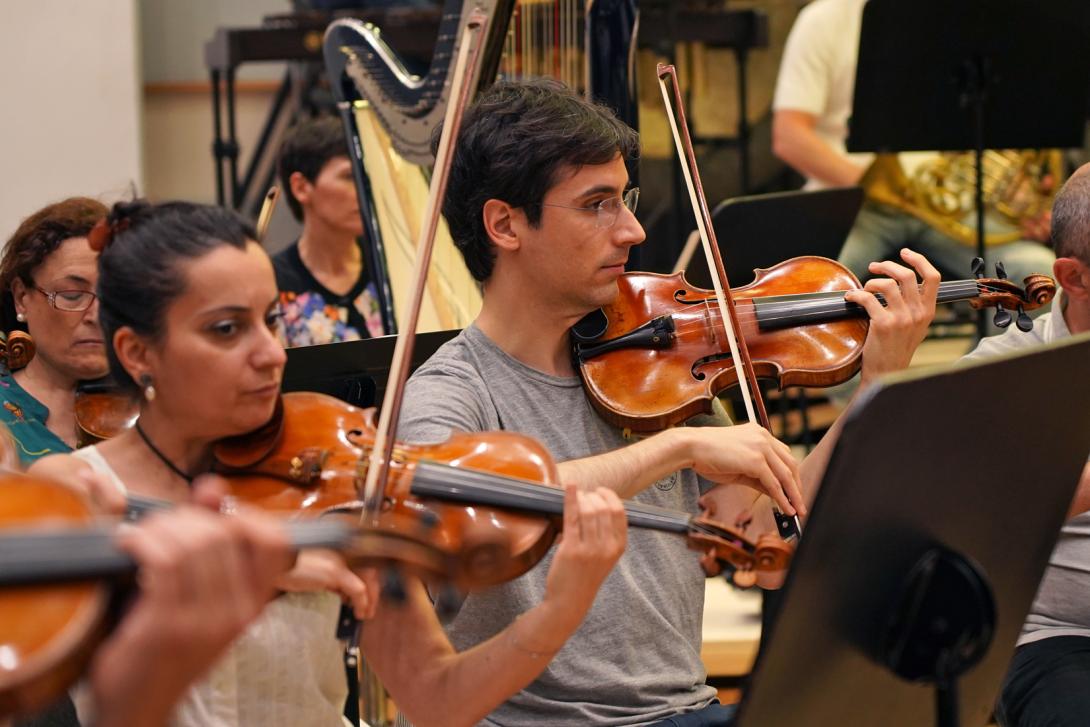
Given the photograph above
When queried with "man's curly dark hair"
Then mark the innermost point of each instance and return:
(514, 141)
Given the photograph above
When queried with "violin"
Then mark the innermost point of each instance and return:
(488, 501)
(103, 410)
(657, 355)
(61, 576)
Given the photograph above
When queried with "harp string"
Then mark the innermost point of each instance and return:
(546, 38)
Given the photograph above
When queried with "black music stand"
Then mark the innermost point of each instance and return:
(966, 75)
(930, 533)
(759, 231)
(354, 371)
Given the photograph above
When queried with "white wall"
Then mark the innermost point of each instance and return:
(174, 33)
(69, 103)
(177, 114)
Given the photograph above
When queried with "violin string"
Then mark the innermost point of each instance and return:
(952, 287)
(823, 303)
(527, 492)
(772, 312)
(720, 533)
(823, 297)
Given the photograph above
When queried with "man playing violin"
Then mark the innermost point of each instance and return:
(539, 204)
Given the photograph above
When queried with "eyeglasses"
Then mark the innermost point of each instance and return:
(608, 209)
(70, 301)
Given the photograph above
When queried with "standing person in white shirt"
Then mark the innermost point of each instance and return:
(811, 108)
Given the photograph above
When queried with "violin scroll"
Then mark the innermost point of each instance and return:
(1039, 291)
(738, 555)
(17, 348)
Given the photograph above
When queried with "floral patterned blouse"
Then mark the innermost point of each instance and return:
(312, 314)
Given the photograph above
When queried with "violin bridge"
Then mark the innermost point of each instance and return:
(306, 467)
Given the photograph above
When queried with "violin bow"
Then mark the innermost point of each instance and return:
(461, 87)
(789, 527)
(264, 217)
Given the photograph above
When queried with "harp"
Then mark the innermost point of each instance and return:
(389, 115)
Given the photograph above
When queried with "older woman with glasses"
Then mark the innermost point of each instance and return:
(47, 282)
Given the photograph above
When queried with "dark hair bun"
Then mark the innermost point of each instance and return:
(119, 219)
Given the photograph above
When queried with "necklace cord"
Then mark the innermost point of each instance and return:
(162, 457)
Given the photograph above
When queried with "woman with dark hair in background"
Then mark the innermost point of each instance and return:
(189, 306)
(47, 282)
(326, 292)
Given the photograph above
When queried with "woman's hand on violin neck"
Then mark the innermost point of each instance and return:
(897, 328)
(203, 578)
(749, 455)
(594, 537)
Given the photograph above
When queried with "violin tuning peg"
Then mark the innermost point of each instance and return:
(393, 587)
(1024, 322)
(448, 601)
(1002, 317)
(977, 267)
(744, 579)
(1000, 271)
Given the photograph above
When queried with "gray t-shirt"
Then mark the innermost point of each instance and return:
(1062, 604)
(636, 658)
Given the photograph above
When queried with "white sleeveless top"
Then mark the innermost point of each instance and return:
(286, 670)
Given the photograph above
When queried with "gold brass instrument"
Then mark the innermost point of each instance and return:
(1018, 185)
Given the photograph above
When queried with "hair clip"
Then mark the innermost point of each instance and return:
(103, 233)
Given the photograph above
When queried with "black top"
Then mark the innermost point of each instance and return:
(312, 314)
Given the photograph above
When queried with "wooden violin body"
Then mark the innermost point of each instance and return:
(311, 461)
(103, 414)
(61, 573)
(657, 355)
(488, 501)
(657, 387)
(47, 632)
(315, 462)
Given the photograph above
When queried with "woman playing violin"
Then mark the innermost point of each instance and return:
(202, 581)
(189, 306)
(47, 280)
(540, 206)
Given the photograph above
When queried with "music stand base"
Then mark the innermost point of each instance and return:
(940, 625)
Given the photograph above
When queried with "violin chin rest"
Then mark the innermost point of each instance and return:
(246, 450)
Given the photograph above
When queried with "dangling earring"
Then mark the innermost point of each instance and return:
(149, 388)
(21, 317)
